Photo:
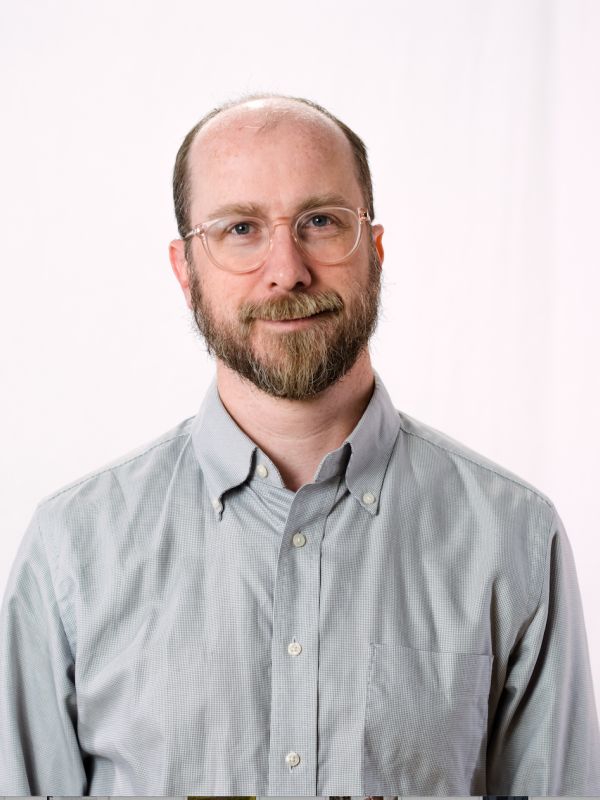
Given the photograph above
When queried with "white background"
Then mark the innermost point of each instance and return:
(483, 124)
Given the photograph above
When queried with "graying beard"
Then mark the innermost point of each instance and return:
(313, 360)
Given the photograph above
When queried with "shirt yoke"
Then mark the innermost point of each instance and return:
(413, 427)
(181, 431)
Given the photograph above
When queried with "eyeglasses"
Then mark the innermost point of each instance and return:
(326, 235)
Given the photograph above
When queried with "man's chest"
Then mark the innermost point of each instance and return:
(331, 635)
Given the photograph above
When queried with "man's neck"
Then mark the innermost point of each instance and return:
(297, 434)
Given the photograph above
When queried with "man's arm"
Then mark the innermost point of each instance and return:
(39, 753)
(545, 738)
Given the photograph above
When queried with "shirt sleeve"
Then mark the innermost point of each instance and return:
(545, 738)
(39, 752)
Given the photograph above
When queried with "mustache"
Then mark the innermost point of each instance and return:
(288, 307)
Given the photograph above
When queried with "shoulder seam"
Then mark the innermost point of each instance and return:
(109, 469)
(54, 576)
(478, 464)
(547, 557)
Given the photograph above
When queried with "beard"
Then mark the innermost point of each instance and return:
(300, 364)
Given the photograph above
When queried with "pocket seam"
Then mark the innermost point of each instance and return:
(381, 647)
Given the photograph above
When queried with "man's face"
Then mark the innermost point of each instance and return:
(292, 327)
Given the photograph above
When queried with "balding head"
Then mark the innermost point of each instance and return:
(259, 115)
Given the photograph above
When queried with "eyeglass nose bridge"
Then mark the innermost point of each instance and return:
(281, 221)
(285, 221)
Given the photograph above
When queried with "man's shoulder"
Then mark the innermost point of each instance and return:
(145, 463)
(434, 446)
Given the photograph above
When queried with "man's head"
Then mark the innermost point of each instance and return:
(293, 326)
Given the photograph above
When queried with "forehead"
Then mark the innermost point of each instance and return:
(274, 157)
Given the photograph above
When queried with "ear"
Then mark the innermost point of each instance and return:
(378, 234)
(181, 268)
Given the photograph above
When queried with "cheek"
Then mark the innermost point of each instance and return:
(224, 293)
(352, 279)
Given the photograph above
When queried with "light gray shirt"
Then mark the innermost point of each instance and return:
(409, 623)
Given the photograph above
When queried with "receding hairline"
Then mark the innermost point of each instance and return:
(269, 112)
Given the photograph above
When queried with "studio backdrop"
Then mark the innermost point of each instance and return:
(482, 122)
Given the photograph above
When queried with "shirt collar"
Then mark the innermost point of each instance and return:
(371, 443)
(223, 450)
(226, 455)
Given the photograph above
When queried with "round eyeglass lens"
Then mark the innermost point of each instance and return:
(237, 244)
(328, 235)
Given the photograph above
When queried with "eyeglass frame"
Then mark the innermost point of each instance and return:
(199, 231)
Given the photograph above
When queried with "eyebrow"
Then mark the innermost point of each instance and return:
(258, 210)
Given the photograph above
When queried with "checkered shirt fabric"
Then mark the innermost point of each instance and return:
(145, 630)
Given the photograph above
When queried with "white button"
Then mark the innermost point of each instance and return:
(294, 649)
(262, 470)
(293, 759)
(215, 502)
(369, 498)
(299, 540)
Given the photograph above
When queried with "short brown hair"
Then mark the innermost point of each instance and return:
(181, 180)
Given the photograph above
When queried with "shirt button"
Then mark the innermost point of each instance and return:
(262, 470)
(369, 498)
(294, 648)
(293, 759)
(215, 502)
(299, 540)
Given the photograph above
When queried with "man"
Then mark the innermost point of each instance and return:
(300, 591)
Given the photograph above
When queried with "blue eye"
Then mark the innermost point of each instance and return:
(319, 220)
(241, 228)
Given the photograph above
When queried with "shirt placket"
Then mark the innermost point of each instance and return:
(293, 754)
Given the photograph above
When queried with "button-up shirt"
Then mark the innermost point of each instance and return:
(408, 623)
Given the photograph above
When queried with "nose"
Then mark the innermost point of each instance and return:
(285, 266)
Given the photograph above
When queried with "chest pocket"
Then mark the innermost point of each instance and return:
(426, 722)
